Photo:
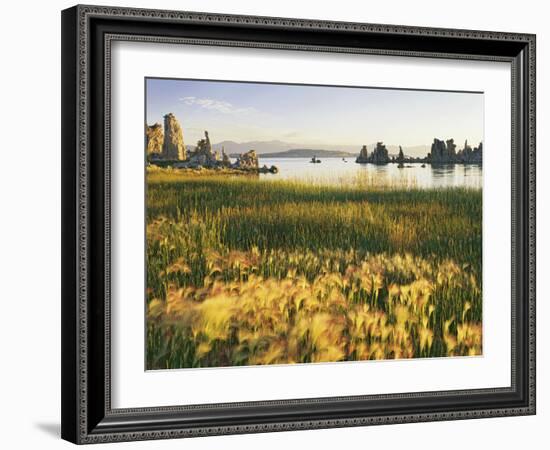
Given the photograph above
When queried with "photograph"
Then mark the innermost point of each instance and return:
(297, 223)
(271, 220)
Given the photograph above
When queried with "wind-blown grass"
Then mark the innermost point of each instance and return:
(241, 271)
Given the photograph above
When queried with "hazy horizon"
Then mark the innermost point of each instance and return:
(315, 116)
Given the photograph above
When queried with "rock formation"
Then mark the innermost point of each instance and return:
(247, 161)
(203, 154)
(154, 139)
(203, 157)
(477, 156)
(445, 153)
(401, 156)
(168, 150)
(265, 169)
(173, 148)
(378, 156)
(225, 159)
(400, 159)
(451, 149)
(438, 153)
(363, 155)
(471, 156)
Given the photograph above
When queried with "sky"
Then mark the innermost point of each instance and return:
(314, 115)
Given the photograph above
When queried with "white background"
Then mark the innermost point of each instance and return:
(30, 226)
(132, 61)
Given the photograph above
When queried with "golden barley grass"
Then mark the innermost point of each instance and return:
(244, 272)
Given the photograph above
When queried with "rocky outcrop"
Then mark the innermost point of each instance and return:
(202, 157)
(247, 161)
(400, 156)
(439, 153)
(477, 154)
(226, 162)
(168, 150)
(378, 156)
(203, 154)
(445, 153)
(265, 169)
(154, 139)
(471, 156)
(400, 160)
(451, 149)
(173, 148)
(363, 155)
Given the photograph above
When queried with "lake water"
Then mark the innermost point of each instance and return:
(335, 171)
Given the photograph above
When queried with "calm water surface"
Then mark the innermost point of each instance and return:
(336, 172)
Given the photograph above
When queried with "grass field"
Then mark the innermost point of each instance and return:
(242, 272)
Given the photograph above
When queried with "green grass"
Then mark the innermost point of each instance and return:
(201, 219)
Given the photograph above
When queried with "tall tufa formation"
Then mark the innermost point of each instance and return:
(478, 153)
(451, 149)
(444, 152)
(379, 154)
(204, 147)
(154, 139)
(469, 155)
(225, 159)
(363, 155)
(401, 156)
(168, 150)
(203, 154)
(400, 159)
(173, 147)
(439, 153)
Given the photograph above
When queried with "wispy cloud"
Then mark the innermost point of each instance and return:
(216, 105)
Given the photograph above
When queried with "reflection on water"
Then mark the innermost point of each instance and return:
(336, 171)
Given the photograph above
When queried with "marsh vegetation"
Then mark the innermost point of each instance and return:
(244, 272)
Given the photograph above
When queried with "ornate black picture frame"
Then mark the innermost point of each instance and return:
(87, 34)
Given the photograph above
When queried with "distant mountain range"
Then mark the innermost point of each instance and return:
(308, 153)
(268, 149)
(261, 147)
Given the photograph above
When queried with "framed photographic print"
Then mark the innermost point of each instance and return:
(281, 224)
